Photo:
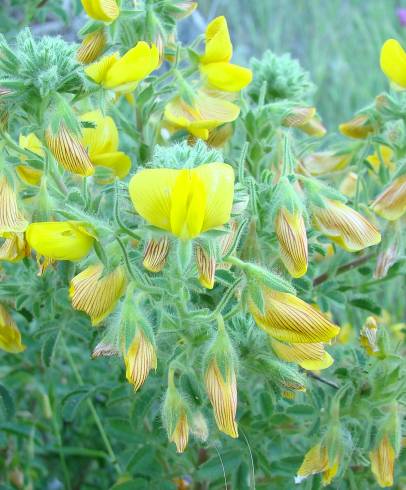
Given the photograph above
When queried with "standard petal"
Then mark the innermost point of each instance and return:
(103, 10)
(382, 462)
(117, 161)
(218, 44)
(103, 138)
(393, 62)
(226, 76)
(391, 203)
(11, 219)
(98, 71)
(218, 179)
(150, 192)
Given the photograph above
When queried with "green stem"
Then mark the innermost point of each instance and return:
(93, 411)
(61, 455)
(117, 217)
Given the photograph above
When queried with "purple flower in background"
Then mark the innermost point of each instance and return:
(401, 13)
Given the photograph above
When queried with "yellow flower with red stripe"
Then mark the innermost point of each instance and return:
(102, 10)
(10, 337)
(391, 203)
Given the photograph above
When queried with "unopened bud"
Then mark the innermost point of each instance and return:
(175, 415)
(206, 266)
(155, 254)
(368, 336)
(358, 127)
(91, 47)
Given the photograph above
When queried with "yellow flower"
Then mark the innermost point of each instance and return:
(368, 336)
(290, 319)
(314, 127)
(387, 158)
(215, 64)
(222, 391)
(316, 461)
(101, 143)
(29, 175)
(10, 337)
(393, 62)
(324, 162)
(348, 186)
(206, 266)
(345, 226)
(186, 202)
(139, 359)
(155, 254)
(91, 47)
(391, 203)
(69, 152)
(383, 462)
(14, 247)
(309, 356)
(96, 292)
(11, 219)
(64, 240)
(103, 10)
(123, 74)
(204, 115)
(358, 127)
(291, 232)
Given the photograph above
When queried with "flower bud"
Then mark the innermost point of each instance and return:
(317, 460)
(185, 8)
(96, 291)
(221, 383)
(14, 247)
(368, 336)
(199, 426)
(11, 219)
(298, 116)
(69, 152)
(206, 266)
(358, 127)
(91, 47)
(291, 232)
(175, 415)
(10, 337)
(324, 162)
(140, 359)
(391, 203)
(348, 186)
(155, 254)
(314, 128)
(385, 260)
(345, 226)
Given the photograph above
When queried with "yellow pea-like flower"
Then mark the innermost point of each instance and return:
(316, 461)
(155, 254)
(391, 203)
(186, 202)
(10, 337)
(290, 319)
(222, 391)
(92, 46)
(324, 162)
(291, 232)
(309, 356)
(382, 459)
(215, 64)
(205, 114)
(11, 219)
(96, 292)
(101, 143)
(139, 359)
(69, 151)
(393, 62)
(103, 10)
(345, 226)
(124, 73)
(14, 247)
(30, 175)
(61, 240)
(358, 127)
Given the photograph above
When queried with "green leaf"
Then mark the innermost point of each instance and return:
(366, 304)
(7, 402)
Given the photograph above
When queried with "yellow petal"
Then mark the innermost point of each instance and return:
(29, 175)
(14, 247)
(139, 360)
(186, 202)
(96, 292)
(65, 240)
(10, 337)
(382, 462)
(103, 138)
(223, 397)
(291, 232)
(11, 219)
(324, 162)
(345, 226)
(135, 65)
(310, 356)
(386, 155)
(32, 143)
(91, 47)
(358, 127)
(98, 71)
(393, 62)
(391, 203)
(117, 161)
(290, 319)
(180, 435)
(226, 76)
(218, 44)
(315, 461)
(206, 266)
(103, 10)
